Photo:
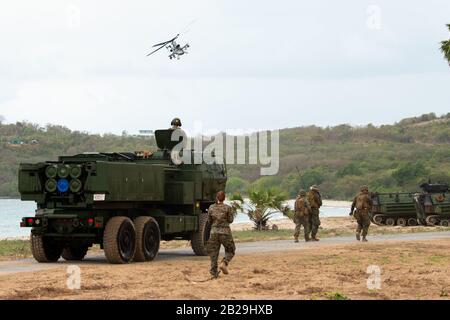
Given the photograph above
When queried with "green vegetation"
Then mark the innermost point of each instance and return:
(336, 296)
(339, 159)
(445, 47)
(14, 249)
(283, 234)
(262, 204)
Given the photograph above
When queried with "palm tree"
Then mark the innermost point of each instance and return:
(261, 205)
(445, 47)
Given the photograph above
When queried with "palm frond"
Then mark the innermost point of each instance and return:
(445, 47)
(263, 204)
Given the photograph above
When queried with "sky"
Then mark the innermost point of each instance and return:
(251, 64)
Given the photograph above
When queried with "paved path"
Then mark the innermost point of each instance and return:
(24, 265)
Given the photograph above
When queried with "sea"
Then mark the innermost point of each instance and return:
(12, 211)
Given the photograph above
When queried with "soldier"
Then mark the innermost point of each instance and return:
(220, 216)
(363, 204)
(315, 201)
(302, 210)
(175, 124)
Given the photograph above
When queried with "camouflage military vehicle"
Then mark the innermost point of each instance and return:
(126, 202)
(394, 209)
(433, 204)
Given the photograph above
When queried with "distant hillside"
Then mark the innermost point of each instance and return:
(338, 159)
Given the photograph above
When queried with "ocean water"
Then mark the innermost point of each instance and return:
(12, 211)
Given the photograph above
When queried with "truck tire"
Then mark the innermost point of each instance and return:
(44, 249)
(201, 236)
(119, 240)
(148, 237)
(73, 253)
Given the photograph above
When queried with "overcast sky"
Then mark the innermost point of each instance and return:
(260, 64)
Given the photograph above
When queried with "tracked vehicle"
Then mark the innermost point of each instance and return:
(125, 202)
(394, 209)
(429, 207)
(433, 204)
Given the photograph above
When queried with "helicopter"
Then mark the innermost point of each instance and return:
(175, 49)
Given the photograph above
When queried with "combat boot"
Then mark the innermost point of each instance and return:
(214, 275)
(358, 237)
(315, 239)
(295, 239)
(364, 239)
(223, 267)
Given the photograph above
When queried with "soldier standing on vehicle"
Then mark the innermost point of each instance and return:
(363, 204)
(315, 201)
(175, 124)
(302, 210)
(220, 216)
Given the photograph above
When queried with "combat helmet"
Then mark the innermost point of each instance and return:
(176, 122)
(302, 193)
(314, 187)
(364, 188)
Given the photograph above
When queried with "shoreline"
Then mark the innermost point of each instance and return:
(281, 222)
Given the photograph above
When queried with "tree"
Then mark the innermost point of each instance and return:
(352, 169)
(409, 171)
(261, 205)
(445, 47)
(236, 184)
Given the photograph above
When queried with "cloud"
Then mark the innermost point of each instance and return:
(82, 63)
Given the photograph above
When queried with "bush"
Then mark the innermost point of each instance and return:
(408, 172)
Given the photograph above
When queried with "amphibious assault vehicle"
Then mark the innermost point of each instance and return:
(125, 202)
(431, 206)
(394, 209)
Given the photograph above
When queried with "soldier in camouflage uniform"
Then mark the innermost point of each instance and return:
(302, 210)
(363, 204)
(220, 216)
(315, 201)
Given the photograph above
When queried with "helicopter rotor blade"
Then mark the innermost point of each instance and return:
(156, 50)
(166, 42)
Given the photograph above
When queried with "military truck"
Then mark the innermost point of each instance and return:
(125, 202)
(433, 204)
(394, 209)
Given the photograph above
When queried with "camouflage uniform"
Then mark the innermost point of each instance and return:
(220, 216)
(315, 201)
(302, 210)
(363, 204)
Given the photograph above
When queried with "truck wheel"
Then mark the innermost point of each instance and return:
(199, 238)
(119, 240)
(412, 222)
(44, 249)
(74, 253)
(390, 222)
(148, 237)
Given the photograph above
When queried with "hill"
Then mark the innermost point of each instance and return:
(339, 159)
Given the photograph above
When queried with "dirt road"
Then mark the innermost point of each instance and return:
(26, 265)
